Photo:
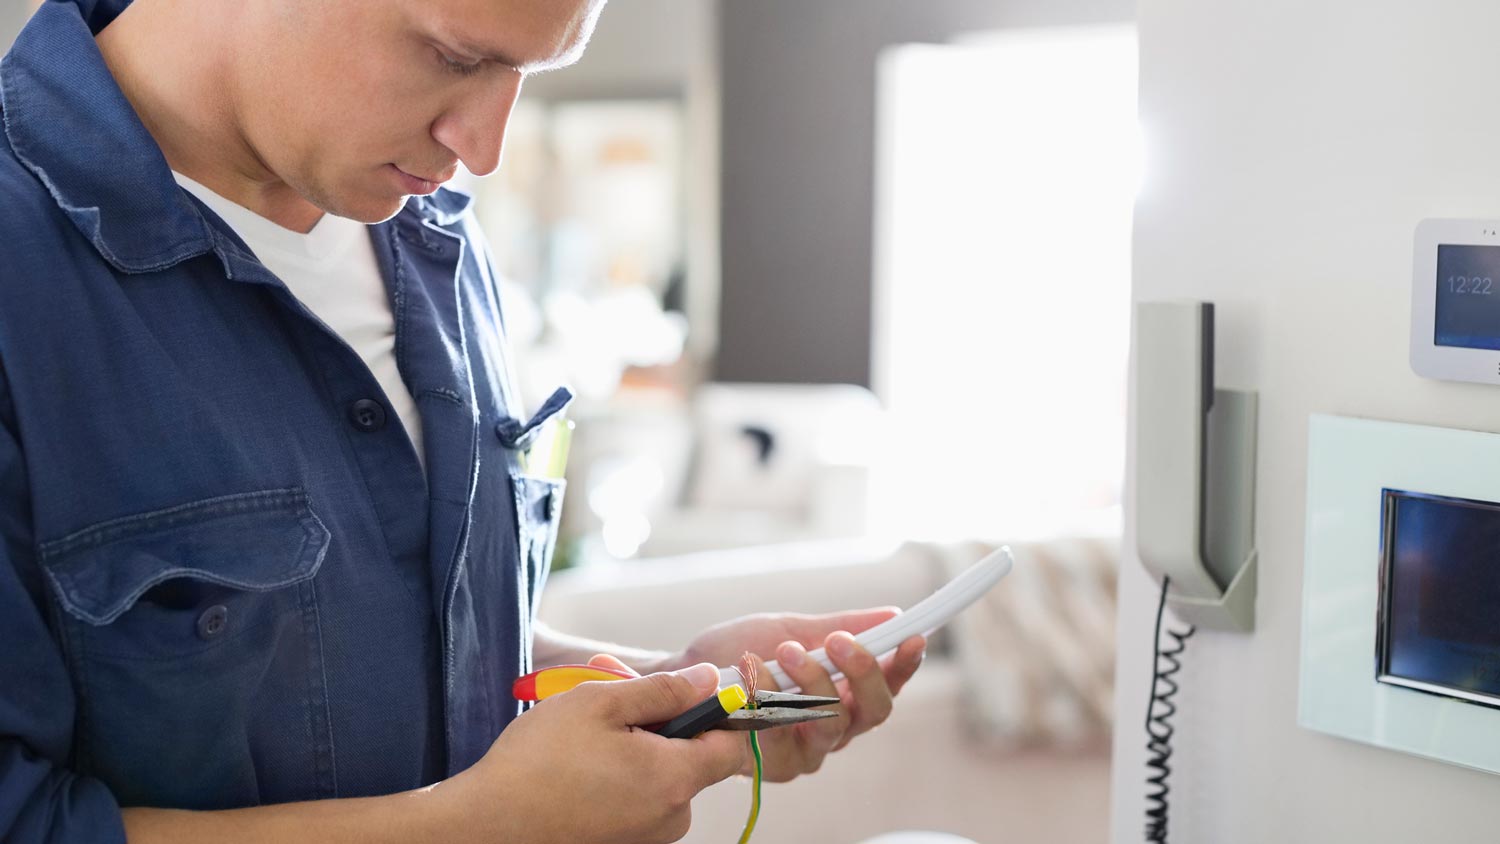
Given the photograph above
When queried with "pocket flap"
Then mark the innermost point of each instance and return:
(254, 541)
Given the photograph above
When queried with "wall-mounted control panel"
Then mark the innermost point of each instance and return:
(1455, 300)
(1400, 588)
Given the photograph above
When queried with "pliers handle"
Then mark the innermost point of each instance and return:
(770, 709)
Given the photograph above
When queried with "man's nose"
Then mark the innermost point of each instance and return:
(475, 129)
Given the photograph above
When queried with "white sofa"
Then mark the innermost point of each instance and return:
(928, 768)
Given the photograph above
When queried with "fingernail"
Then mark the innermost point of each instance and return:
(841, 647)
(792, 656)
(703, 676)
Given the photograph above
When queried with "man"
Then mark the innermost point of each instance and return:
(268, 563)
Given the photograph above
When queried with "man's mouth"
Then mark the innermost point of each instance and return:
(439, 178)
(422, 185)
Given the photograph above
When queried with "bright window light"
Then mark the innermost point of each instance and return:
(1007, 170)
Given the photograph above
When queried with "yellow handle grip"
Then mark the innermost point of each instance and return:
(540, 685)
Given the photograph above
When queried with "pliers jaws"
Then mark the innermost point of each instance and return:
(777, 709)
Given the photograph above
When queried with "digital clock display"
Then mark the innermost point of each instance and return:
(1468, 297)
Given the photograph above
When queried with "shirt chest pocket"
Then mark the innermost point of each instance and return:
(192, 638)
(538, 513)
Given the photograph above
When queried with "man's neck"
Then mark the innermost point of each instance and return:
(161, 55)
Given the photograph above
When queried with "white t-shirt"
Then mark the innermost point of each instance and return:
(332, 271)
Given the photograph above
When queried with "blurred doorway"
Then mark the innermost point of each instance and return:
(1007, 167)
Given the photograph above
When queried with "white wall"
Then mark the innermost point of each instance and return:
(1292, 148)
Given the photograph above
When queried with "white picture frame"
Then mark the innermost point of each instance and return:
(1350, 464)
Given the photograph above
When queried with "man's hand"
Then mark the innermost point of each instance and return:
(577, 767)
(866, 690)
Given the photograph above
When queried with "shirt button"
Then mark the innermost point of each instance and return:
(213, 621)
(367, 415)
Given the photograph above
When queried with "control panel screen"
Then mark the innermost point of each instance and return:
(1468, 297)
(1440, 595)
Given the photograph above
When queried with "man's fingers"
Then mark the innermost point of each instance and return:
(898, 667)
(610, 661)
(904, 663)
(717, 755)
(655, 698)
(711, 756)
(868, 692)
(817, 738)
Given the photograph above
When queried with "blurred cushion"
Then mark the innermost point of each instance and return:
(1038, 651)
(760, 445)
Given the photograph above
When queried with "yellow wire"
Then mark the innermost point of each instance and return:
(755, 786)
(748, 670)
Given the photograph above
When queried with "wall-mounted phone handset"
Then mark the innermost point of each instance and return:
(1194, 469)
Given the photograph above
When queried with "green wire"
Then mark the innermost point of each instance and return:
(755, 794)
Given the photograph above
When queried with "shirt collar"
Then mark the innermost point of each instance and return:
(69, 124)
(443, 208)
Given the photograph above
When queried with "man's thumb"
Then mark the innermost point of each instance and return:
(656, 698)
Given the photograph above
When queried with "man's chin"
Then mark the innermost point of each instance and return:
(370, 210)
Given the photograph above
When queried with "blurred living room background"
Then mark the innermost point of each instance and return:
(842, 288)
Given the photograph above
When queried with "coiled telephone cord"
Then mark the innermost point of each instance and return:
(1159, 711)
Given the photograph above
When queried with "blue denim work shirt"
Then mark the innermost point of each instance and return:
(224, 578)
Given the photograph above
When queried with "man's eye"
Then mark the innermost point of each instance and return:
(459, 66)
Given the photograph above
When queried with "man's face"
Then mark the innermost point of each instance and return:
(357, 104)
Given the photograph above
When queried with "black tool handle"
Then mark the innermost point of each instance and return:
(694, 721)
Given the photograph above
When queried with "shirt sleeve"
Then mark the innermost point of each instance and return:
(40, 799)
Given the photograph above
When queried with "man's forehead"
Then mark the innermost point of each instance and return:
(530, 35)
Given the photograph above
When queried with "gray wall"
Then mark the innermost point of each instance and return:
(13, 16)
(798, 167)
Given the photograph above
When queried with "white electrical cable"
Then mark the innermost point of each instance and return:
(931, 613)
